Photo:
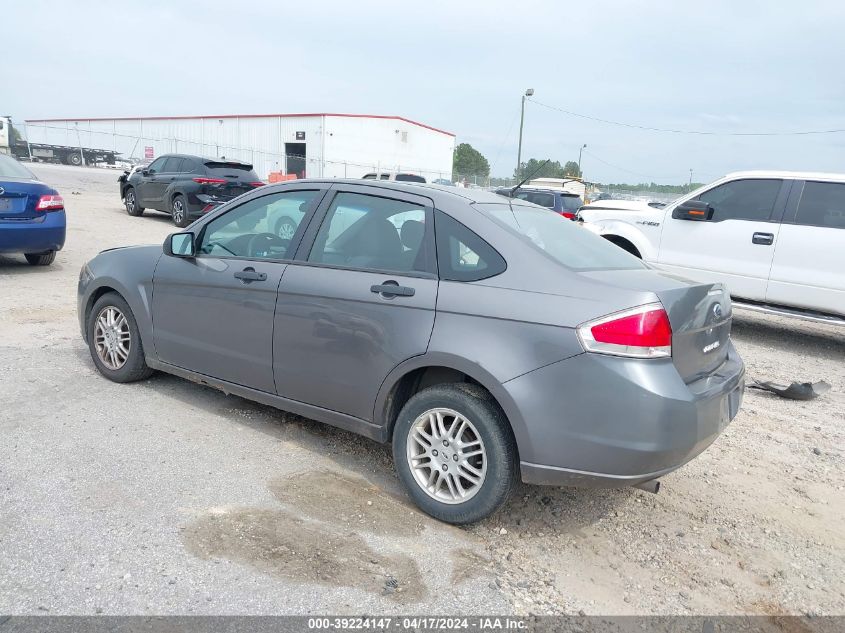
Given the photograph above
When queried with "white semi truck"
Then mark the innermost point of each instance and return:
(12, 143)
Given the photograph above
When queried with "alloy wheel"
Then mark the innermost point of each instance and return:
(178, 210)
(446, 456)
(130, 201)
(112, 337)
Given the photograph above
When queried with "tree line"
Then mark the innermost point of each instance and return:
(469, 163)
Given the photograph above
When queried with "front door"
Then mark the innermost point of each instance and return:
(213, 314)
(358, 301)
(737, 245)
(145, 188)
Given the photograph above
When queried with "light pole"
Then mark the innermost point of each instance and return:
(528, 93)
(583, 147)
(689, 186)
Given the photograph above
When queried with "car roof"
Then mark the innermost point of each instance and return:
(544, 190)
(798, 175)
(419, 188)
(206, 159)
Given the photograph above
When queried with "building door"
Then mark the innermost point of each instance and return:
(295, 159)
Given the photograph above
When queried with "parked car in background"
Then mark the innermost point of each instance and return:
(443, 181)
(776, 239)
(394, 176)
(559, 201)
(32, 214)
(185, 186)
(372, 318)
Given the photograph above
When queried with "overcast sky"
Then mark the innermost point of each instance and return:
(713, 65)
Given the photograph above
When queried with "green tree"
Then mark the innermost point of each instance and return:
(532, 169)
(571, 169)
(468, 161)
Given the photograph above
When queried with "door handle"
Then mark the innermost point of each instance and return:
(392, 289)
(248, 275)
(766, 239)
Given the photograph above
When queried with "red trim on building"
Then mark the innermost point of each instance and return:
(243, 116)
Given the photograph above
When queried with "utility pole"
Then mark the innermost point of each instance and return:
(583, 147)
(528, 93)
(689, 186)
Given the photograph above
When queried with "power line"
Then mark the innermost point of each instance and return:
(679, 131)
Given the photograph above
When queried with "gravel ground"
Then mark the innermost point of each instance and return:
(165, 497)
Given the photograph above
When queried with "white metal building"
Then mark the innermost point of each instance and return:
(314, 145)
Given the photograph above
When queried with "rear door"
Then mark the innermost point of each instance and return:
(213, 314)
(160, 182)
(808, 270)
(736, 247)
(358, 300)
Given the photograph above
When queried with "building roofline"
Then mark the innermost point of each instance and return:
(245, 116)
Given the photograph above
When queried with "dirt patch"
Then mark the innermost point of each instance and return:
(352, 503)
(467, 565)
(278, 543)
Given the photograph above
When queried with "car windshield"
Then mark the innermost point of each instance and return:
(11, 168)
(563, 240)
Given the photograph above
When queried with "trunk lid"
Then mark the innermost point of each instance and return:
(700, 315)
(239, 178)
(18, 198)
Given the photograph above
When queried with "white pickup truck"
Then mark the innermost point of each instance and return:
(776, 239)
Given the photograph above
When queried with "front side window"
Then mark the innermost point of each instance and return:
(743, 199)
(368, 232)
(261, 228)
(157, 164)
(822, 204)
(564, 241)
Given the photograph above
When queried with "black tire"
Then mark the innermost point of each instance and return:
(130, 200)
(285, 228)
(135, 367)
(40, 259)
(74, 159)
(179, 211)
(502, 473)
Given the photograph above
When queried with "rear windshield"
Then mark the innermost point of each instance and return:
(10, 168)
(537, 197)
(563, 240)
(571, 203)
(409, 178)
(241, 171)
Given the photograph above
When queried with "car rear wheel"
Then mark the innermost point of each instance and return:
(455, 453)
(130, 199)
(40, 259)
(114, 341)
(179, 211)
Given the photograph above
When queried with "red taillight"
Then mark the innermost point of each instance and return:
(568, 215)
(208, 207)
(50, 203)
(257, 184)
(643, 332)
(210, 181)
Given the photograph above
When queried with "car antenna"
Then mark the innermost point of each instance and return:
(530, 176)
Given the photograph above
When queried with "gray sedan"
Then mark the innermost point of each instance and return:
(488, 339)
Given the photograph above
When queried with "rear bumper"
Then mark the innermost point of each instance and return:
(38, 235)
(601, 421)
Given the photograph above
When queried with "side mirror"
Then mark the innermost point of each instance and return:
(179, 245)
(147, 172)
(695, 210)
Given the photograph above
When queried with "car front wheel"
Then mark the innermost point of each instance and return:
(130, 199)
(114, 341)
(455, 453)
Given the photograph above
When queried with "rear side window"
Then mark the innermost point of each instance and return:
(743, 199)
(172, 165)
(461, 254)
(822, 204)
(188, 166)
(563, 240)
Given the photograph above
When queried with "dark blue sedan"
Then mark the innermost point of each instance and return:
(32, 214)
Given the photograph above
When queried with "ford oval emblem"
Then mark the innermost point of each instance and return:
(717, 311)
